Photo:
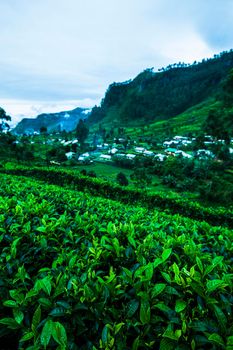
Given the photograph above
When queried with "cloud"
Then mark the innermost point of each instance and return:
(71, 50)
(19, 109)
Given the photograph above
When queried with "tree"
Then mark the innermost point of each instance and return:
(122, 179)
(43, 130)
(4, 118)
(228, 89)
(82, 131)
(216, 125)
(141, 178)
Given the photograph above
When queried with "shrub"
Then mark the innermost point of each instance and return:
(122, 179)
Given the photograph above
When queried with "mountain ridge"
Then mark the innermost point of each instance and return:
(155, 96)
(65, 120)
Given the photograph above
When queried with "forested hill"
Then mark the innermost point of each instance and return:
(165, 94)
(52, 121)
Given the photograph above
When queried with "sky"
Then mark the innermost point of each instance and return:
(61, 54)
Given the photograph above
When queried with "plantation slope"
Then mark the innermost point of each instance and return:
(151, 97)
(96, 187)
(189, 122)
(79, 272)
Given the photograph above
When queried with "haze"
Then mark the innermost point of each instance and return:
(61, 54)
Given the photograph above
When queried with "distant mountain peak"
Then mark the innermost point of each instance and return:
(65, 120)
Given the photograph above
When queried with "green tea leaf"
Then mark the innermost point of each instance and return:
(149, 271)
(170, 334)
(158, 289)
(10, 303)
(216, 339)
(104, 336)
(166, 253)
(167, 344)
(145, 312)
(132, 308)
(199, 264)
(10, 323)
(18, 315)
(46, 285)
(222, 320)
(229, 343)
(14, 247)
(118, 327)
(162, 307)
(215, 262)
(46, 333)
(166, 277)
(214, 284)
(176, 269)
(27, 336)
(58, 312)
(136, 343)
(180, 305)
(157, 262)
(45, 302)
(36, 319)
(59, 333)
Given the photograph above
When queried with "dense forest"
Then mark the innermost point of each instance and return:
(152, 96)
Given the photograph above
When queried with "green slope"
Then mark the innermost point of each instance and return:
(177, 99)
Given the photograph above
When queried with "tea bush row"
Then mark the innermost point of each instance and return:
(97, 187)
(78, 272)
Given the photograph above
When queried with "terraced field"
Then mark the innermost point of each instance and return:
(85, 272)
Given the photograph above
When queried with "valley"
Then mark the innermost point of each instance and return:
(116, 224)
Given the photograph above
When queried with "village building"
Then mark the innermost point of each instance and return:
(171, 151)
(204, 153)
(160, 157)
(183, 154)
(105, 157)
(148, 153)
(139, 149)
(130, 156)
(113, 150)
(69, 155)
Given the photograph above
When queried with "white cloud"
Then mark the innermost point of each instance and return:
(19, 109)
(71, 50)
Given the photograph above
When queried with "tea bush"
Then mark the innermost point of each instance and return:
(79, 272)
(97, 187)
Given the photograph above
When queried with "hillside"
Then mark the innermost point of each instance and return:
(154, 97)
(52, 121)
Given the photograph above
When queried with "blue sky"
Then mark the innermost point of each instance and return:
(60, 54)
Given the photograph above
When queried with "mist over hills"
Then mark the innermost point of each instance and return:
(151, 97)
(52, 121)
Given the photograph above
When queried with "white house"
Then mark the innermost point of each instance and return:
(204, 153)
(113, 150)
(180, 138)
(186, 142)
(69, 155)
(139, 149)
(184, 154)
(105, 157)
(148, 153)
(85, 155)
(169, 143)
(130, 156)
(67, 143)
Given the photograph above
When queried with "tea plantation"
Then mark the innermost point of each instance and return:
(85, 272)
